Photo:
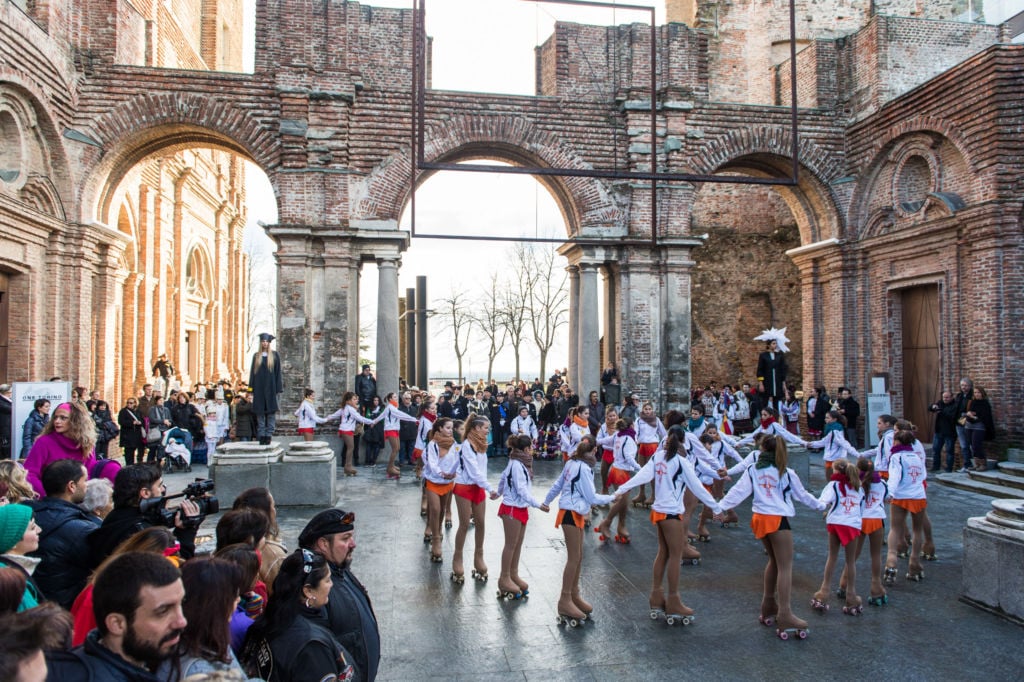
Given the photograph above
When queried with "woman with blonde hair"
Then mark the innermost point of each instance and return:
(70, 434)
(14, 482)
(471, 491)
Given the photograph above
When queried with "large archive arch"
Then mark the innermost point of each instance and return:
(896, 254)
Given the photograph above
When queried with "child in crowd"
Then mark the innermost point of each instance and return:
(872, 527)
(649, 433)
(834, 441)
(307, 415)
(624, 465)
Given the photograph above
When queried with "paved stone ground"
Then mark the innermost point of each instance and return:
(434, 629)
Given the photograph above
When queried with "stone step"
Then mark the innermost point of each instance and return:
(972, 485)
(997, 477)
(1012, 468)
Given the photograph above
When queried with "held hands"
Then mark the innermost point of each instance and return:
(544, 508)
(494, 495)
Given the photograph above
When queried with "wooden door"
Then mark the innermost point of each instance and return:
(921, 378)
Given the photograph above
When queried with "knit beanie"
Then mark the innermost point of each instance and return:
(14, 520)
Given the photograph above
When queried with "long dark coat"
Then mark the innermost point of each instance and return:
(266, 383)
(773, 373)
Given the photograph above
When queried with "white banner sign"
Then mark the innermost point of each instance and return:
(878, 404)
(25, 394)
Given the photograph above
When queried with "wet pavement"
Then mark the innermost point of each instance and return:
(434, 629)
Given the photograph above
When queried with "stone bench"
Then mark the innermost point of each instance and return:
(301, 476)
(993, 569)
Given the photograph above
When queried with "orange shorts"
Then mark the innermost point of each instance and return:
(912, 506)
(658, 516)
(417, 454)
(869, 526)
(646, 449)
(766, 524)
(439, 489)
(617, 476)
(569, 516)
(884, 475)
(828, 469)
(473, 493)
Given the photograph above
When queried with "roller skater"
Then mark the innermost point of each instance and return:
(719, 447)
(770, 426)
(576, 425)
(517, 497)
(769, 611)
(471, 490)
(774, 485)
(671, 474)
(872, 530)
(607, 430)
(391, 417)
(427, 415)
(624, 463)
(649, 433)
(308, 418)
(843, 498)
(928, 543)
(440, 464)
(834, 442)
(907, 474)
(576, 495)
(349, 415)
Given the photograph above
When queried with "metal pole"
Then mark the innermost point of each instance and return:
(421, 331)
(410, 336)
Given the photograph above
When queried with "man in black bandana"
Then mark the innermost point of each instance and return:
(350, 616)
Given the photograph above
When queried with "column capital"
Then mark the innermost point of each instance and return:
(573, 270)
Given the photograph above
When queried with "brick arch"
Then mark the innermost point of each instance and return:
(585, 203)
(920, 135)
(765, 151)
(160, 122)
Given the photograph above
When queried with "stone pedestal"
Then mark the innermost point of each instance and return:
(993, 569)
(305, 476)
(239, 466)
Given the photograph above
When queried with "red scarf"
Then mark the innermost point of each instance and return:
(430, 417)
(766, 423)
(842, 481)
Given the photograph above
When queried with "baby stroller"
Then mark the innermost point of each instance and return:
(176, 453)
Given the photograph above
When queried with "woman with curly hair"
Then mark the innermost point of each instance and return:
(70, 434)
(14, 485)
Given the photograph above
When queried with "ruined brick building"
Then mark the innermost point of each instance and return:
(898, 252)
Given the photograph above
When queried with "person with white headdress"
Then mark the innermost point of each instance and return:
(771, 364)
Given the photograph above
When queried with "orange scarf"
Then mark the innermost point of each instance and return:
(580, 421)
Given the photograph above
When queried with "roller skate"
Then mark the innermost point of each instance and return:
(917, 575)
(436, 558)
(351, 472)
(623, 539)
(657, 602)
(769, 612)
(639, 501)
(732, 520)
(458, 575)
(394, 474)
(678, 613)
(702, 532)
(889, 577)
(691, 557)
(841, 593)
(880, 600)
(479, 572)
(457, 578)
(855, 608)
(819, 602)
(602, 533)
(435, 550)
(791, 626)
(427, 537)
(691, 537)
(583, 605)
(928, 552)
(448, 523)
(568, 613)
(524, 586)
(508, 591)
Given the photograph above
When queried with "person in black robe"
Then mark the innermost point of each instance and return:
(266, 383)
(771, 370)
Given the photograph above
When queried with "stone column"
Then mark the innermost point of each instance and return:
(387, 325)
(588, 363)
(673, 368)
(610, 312)
(574, 327)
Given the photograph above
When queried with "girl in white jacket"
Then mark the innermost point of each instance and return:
(719, 447)
(349, 416)
(306, 413)
(576, 494)
(834, 441)
(471, 490)
(671, 475)
(843, 499)
(649, 434)
(514, 487)
(774, 485)
(440, 462)
(872, 529)
(624, 464)
(908, 470)
(770, 426)
(392, 417)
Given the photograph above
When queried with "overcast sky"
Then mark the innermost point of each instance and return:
(480, 46)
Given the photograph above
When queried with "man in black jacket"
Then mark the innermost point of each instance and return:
(366, 388)
(133, 484)
(350, 615)
(850, 409)
(945, 431)
(137, 602)
(63, 550)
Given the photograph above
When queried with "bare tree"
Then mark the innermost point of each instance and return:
(548, 309)
(515, 299)
(455, 315)
(490, 321)
(261, 302)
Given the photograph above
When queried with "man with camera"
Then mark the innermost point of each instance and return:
(140, 502)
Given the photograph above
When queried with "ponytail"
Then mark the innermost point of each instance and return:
(866, 465)
(676, 435)
(843, 467)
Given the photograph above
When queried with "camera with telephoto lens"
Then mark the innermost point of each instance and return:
(200, 492)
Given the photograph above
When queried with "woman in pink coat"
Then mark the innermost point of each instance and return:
(70, 434)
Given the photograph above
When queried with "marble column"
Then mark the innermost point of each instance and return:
(611, 293)
(387, 325)
(588, 373)
(574, 327)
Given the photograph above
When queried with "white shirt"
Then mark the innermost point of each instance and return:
(472, 467)
(835, 445)
(844, 509)
(874, 501)
(392, 416)
(773, 494)
(422, 432)
(881, 452)
(434, 465)
(907, 474)
(671, 479)
(575, 489)
(524, 425)
(349, 416)
(645, 433)
(774, 429)
(514, 486)
(307, 415)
